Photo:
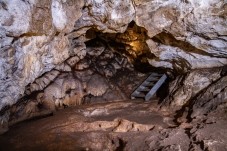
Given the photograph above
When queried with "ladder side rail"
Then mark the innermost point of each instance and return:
(156, 87)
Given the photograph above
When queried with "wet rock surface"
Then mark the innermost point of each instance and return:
(124, 125)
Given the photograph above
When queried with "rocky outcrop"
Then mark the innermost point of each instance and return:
(199, 98)
(211, 99)
(184, 89)
(108, 16)
(32, 42)
(199, 24)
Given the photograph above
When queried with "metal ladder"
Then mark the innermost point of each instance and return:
(149, 87)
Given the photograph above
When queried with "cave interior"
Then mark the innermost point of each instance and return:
(83, 102)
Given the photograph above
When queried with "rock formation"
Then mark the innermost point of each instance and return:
(60, 53)
(38, 36)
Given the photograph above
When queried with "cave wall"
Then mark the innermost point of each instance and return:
(103, 75)
(38, 36)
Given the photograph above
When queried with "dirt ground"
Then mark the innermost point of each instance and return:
(131, 125)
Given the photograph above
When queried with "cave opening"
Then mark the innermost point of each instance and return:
(129, 46)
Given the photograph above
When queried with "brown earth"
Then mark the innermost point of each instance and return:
(126, 125)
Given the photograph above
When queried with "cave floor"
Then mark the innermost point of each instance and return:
(124, 125)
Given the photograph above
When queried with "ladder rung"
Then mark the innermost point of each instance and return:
(148, 84)
(159, 75)
(143, 89)
(153, 79)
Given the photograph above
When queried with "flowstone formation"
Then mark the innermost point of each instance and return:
(60, 53)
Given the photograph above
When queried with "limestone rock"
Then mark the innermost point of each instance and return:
(212, 135)
(95, 49)
(14, 19)
(97, 85)
(78, 47)
(184, 89)
(73, 60)
(114, 95)
(36, 49)
(4, 123)
(63, 67)
(186, 21)
(84, 75)
(132, 42)
(64, 90)
(65, 13)
(83, 64)
(78, 33)
(108, 16)
(33, 41)
(41, 82)
(125, 126)
(176, 140)
(213, 98)
(179, 60)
